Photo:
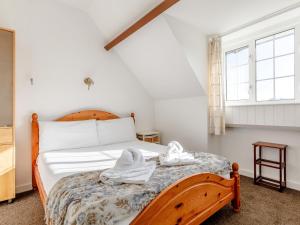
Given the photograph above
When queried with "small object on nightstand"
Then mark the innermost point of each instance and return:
(149, 136)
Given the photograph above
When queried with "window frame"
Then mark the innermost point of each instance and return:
(251, 43)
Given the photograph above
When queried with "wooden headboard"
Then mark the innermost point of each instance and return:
(82, 115)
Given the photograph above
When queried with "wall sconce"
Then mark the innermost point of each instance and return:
(89, 82)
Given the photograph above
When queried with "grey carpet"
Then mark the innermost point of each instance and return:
(259, 206)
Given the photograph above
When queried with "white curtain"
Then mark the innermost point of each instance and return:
(215, 88)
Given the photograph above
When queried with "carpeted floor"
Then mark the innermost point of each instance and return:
(259, 206)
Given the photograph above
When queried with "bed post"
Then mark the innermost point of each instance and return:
(35, 145)
(236, 202)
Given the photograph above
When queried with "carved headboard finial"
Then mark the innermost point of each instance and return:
(35, 117)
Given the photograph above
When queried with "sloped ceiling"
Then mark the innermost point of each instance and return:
(162, 54)
(159, 62)
(114, 16)
(194, 45)
(219, 16)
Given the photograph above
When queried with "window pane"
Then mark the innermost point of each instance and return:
(243, 74)
(264, 90)
(284, 45)
(237, 74)
(284, 66)
(264, 69)
(284, 88)
(232, 92)
(230, 60)
(232, 77)
(243, 56)
(264, 50)
(243, 91)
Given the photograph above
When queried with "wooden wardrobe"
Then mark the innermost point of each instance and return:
(7, 118)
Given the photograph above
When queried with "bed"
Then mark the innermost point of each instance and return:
(190, 200)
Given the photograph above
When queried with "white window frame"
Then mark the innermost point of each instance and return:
(250, 42)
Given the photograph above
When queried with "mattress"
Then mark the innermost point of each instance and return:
(55, 165)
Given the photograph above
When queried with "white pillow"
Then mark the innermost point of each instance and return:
(116, 131)
(66, 135)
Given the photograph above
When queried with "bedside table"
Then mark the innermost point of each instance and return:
(149, 136)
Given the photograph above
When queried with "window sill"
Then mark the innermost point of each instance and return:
(279, 102)
(248, 126)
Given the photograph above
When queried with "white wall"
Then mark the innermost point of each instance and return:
(184, 120)
(236, 145)
(264, 115)
(59, 46)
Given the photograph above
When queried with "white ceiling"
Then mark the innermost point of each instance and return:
(79, 4)
(211, 16)
(219, 16)
(114, 16)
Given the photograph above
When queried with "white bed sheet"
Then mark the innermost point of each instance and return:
(54, 165)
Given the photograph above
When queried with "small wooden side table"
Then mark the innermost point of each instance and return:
(280, 165)
(149, 136)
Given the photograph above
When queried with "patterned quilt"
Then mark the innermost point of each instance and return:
(81, 199)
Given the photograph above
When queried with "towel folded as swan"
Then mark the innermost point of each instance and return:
(175, 156)
(130, 168)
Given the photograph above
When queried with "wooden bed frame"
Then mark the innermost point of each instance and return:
(190, 200)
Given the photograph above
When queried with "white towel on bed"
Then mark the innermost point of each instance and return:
(130, 168)
(176, 156)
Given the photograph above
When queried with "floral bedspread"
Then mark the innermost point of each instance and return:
(81, 199)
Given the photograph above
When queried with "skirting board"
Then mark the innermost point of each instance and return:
(290, 184)
(23, 188)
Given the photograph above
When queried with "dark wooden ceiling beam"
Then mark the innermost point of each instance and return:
(166, 4)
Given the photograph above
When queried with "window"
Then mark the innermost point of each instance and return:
(275, 73)
(261, 70)
(237, 74)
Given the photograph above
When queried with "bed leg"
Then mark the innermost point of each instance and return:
(236, 202)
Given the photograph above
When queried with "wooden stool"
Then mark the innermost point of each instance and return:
(280, 165)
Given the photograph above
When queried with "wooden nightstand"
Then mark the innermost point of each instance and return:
(280, 165)
(149, 136)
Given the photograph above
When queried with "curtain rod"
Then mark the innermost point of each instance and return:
(266, 17)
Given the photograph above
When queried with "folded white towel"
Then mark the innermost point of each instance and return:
(175, 156)
(130, 168)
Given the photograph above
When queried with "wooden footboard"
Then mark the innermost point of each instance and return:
(192, 200)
